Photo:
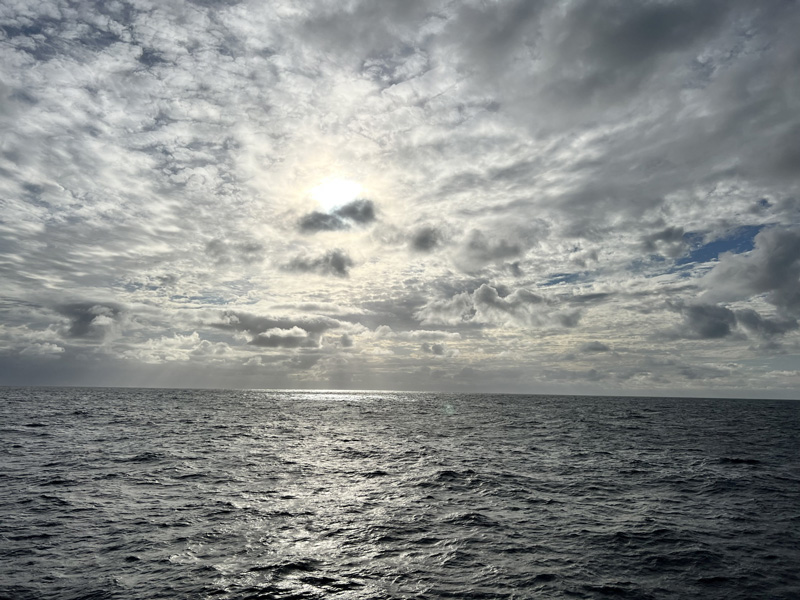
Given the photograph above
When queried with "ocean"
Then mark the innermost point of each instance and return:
(144, 494)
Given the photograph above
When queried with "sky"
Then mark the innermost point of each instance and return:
(588, 197)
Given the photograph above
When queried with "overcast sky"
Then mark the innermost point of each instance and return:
(571, 197)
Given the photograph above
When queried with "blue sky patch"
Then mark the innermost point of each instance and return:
(738, 241)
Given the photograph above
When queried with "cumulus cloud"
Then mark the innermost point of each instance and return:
(277, 331)
(334, 262)
(285, 338)
(42, 349)
(438, 350)
(520, 308)
(89, 320)
(766, 327)
(706, 321)
(478, 250)
(711, 321)
(357, 212)
(772, 268)
(669, 241)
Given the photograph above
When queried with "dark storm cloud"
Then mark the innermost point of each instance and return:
(334, 262)
(89, 320)
(357, 212)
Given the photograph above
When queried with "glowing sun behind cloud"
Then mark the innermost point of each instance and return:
(333, 193)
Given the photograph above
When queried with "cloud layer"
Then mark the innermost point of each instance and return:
(582, 196)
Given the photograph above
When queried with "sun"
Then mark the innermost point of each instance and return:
(333, 193)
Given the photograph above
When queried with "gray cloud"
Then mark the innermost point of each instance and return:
(592, 347)
(277, 331)
(772, 268)
(668, 241)
(478, 250)
(752, 321)
(706, 321)
(425, 239)
(357, 212)
(257, 324)
(89, 320)
(246, 252)
(334, 262)
(435, 349)
(285, 338)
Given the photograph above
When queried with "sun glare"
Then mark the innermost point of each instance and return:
(333, 193)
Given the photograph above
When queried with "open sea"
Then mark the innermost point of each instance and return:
(144, 494)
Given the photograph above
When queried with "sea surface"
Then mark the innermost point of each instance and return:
(143, 494)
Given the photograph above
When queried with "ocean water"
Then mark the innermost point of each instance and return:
(143, 494)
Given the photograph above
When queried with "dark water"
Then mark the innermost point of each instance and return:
(142, 494)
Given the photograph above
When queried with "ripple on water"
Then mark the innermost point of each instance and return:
(144, 494)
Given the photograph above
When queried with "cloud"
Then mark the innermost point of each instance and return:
(425, 239)
(766, 327)
(42, 349)
(246, 252)
(520, 308)
(357, 212)
(549, 174)
(452, 311)
(669, 241)
(593, 347)
(477, 250)
(89, 320)
(334, 262)
(277, 331)
(256, 324)
(706, 321)
(386, 332)
(285, 338)
(438, 350)
(772, 268)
